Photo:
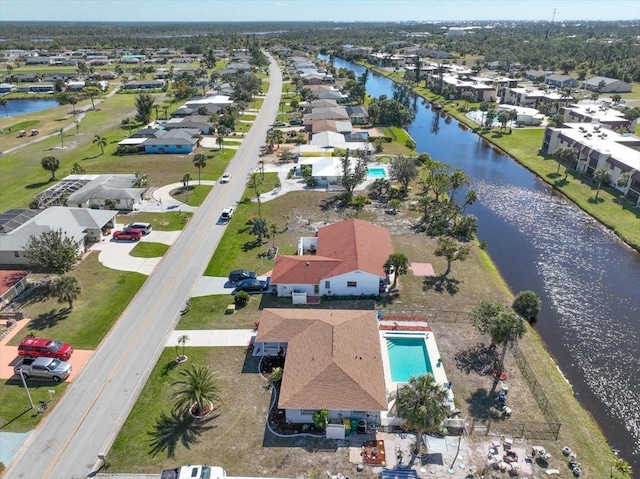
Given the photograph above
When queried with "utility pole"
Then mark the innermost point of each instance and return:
(24, 383)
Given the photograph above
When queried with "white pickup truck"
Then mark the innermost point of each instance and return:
(43, 368)
(194, 472)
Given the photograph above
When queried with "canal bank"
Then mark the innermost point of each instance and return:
(587, 279)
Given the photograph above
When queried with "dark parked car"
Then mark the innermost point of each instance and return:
(295, 121)
(252, 285)
(240, 275)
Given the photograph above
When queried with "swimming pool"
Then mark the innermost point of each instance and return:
(408, 357)
(376, 172)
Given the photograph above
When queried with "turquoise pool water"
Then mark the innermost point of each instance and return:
(408, 357)
(376, 172)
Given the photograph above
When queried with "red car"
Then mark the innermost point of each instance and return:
(42, 347)
(128, 234)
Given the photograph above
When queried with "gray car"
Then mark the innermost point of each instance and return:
(43, 368)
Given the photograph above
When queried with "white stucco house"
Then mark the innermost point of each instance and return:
(344, 259)
(83, 225)
(332, 361)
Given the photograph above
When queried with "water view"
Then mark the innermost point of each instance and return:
(587, 279)
(20, 107)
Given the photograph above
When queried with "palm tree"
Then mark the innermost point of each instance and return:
(399, 264)
(50, 163)
(273, 230)
(220, 140)
(67, 289)
(565, 156)
(601, 175)
(4, 102)
(259, 228)
(185, 183)
(73, 100)
(182, 341)
(421, 403)
(452, 251)
(101, 141)
(197, 391)
(200, 161)
(61, 133)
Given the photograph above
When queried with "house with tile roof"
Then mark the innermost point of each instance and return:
(333, 361)
(344, 259)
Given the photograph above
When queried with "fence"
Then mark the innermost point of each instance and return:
(530, 429)
(429, 315)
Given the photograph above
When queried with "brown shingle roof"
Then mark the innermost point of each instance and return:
(333, 358)
(346, 246)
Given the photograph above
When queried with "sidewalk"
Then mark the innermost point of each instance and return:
(212, 337)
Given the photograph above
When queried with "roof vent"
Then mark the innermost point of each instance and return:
(307, 263)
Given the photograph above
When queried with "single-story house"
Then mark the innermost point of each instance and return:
(8, 87)
(82, 225)
(104, 188)
(12, 283)
(145, 85)
(333, 361)
(331, 113)
(172, 141)
(607, 85)
(358, 115)
(336, 126)
(561, 81)
(344, 259)
(192, 122)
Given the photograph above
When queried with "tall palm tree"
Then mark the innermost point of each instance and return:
(101, 141)
(50, 163)
(197, 391)
(182, 341)
(73, 100)
(67, 289)
(61, 133)
(200, 161)
(4, 102)
(185, 183)
(421, 403)
(273, 230)
(507, 328)
(259, 228)
(399, 264)
(601, 175)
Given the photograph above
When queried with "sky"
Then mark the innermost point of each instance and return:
(316, 10)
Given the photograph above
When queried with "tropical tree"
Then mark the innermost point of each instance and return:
(502, 324)
(182, 341)
(141, 180)
(73, 100)
(395, 204)
(403, 169)
(197, 391)
(527, 304)
(421, 402)
(503, 118)
(144, 107)
(398, 264)
(259, 228)
(101, 141)
(452, 251)
(185, 183)
(601, 175)
(273, 231)
(351, 175)
(53, 251)
(67, 289)
(565, 156)
(92, 92)
(200, 161)
(61, 133)
(50, 163)
(467, 96)
(77, 169)
(4, 102)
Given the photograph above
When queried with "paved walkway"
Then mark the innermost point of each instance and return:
(212, 337)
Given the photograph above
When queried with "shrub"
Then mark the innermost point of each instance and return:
(276, 375)
(527, 305)
(320, 419)
(241, 298)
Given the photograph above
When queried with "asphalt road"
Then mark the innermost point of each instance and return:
(86, 421)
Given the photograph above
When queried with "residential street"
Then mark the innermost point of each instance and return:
(86, 421)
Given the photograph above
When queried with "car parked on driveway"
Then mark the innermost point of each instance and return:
(145, 228)
(295, 121)
(241, 274)
(227, 214)
(279, 123)
(252, 285)
(43, 347)
(43, 368)
(128, 234)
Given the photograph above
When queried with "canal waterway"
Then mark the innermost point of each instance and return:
(588, 280)
(20, 107)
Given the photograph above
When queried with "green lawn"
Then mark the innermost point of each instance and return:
(15, 415)
(237, 248)
(194, 196)
(169, 221)
(149, 250)
(208, 312)
(105, 294)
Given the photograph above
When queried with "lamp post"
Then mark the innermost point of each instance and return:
(24, 383)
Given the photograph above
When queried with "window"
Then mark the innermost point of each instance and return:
(16, 254)
(307, 412)
(358, 413)
(352, 284)
(327, 284)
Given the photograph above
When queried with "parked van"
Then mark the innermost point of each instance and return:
(145, 228)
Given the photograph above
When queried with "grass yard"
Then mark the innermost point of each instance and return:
(169, 221)
(195, 195)
(105, 294)
(235, 438)
(208, 312)
(149, 250)
(15, 415)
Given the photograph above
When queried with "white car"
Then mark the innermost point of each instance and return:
(226, 215)
(226, 178)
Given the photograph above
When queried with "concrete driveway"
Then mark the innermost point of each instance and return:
(115, 254)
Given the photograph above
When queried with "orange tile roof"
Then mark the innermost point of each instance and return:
(9, 278)
(350, 245)
(333, 358)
